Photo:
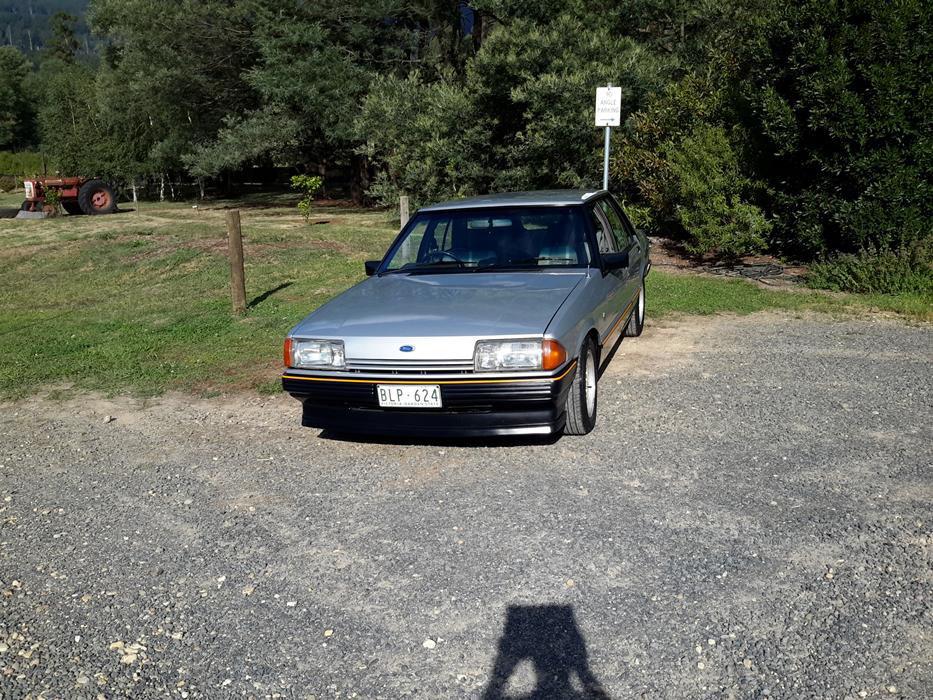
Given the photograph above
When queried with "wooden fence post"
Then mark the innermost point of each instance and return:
(403, 209)
(237, 276)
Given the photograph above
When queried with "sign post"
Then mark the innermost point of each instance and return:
(608, 114)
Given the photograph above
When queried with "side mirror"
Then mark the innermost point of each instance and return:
(615, 261)
(371, 267)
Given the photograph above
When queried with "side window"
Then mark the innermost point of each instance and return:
(629, 229)
(604, 238)
(615, 223)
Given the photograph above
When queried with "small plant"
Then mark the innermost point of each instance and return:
(307, 186)
(52, 202)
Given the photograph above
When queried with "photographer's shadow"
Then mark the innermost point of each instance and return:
(548, 637)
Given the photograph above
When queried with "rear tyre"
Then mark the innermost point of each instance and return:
(97, 197)
(636, 323)
(581, 399)
(72, 207)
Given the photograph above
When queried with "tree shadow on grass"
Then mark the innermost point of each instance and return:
(256, 301)
(548, 637)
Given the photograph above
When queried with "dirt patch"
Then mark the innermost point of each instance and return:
(663, 345)
(766, 270)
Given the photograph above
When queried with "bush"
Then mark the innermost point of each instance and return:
(428, 136)
(8, 184)
(53, 202)
(19, 164)
(908, 270)
(706, 188)
(678, 159)
(837, 96)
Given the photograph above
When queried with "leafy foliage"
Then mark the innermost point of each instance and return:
(800, 126)
(53, 201)
(837, 100)
(707, 189)
(16, 109)
(21, 163)
(905, 271)
(428, 136)
(677, 156)
(63, 44)
(307, 185)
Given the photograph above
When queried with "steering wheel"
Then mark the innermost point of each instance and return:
(442, 253)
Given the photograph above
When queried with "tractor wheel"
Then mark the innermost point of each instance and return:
(96, 197)
(72, 207)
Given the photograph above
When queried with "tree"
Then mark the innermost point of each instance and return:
(519, 115)
(836, 99)
(316, 62)
(171, 75)
(63, 45)
(16, 108)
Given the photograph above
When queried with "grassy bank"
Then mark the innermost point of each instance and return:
(140, 302)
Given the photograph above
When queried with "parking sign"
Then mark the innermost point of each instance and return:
(608, 106)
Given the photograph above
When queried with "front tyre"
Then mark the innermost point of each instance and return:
(581, 398)
(636, 324)
(97, 197)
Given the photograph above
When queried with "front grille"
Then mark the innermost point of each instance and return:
(410, 367)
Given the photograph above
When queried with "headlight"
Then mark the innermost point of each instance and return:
(512, 355)
(314, 353)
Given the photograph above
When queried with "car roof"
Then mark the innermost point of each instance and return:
(541, 198)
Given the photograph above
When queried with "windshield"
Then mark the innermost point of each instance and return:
(492, 239)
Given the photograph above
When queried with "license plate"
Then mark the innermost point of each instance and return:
(409, 395)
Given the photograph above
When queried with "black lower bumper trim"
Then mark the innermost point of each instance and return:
(469, 410)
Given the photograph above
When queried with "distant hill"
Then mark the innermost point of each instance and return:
(25, 23)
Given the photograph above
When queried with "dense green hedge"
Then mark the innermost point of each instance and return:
(19, 164)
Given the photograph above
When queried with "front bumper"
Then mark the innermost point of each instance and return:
(472, 407)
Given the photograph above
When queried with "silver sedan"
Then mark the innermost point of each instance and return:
(487, 316)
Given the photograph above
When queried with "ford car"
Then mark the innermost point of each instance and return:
(487, 316)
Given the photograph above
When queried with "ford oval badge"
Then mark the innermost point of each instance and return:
(407, 348)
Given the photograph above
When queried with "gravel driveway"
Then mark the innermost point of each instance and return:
(751, 517)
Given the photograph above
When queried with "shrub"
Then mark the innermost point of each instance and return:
(21, 163)
(837, 95)
(677, 157)
(8, 184)
(53, 202)
(307, 185)
(908, 270)
(707, 191)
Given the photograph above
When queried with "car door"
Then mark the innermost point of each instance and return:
(627, 242)
(611, 283)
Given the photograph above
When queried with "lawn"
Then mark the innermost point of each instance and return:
(140, 302)
(11, 199)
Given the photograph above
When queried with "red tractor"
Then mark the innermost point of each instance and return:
(77, 195)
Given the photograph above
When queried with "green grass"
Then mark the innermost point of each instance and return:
(140, 303)
(11, 199)
(696, 294)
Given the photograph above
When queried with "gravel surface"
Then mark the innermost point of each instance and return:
(750, 518)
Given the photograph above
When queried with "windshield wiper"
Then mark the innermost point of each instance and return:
(543, 258)
(440, 266)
